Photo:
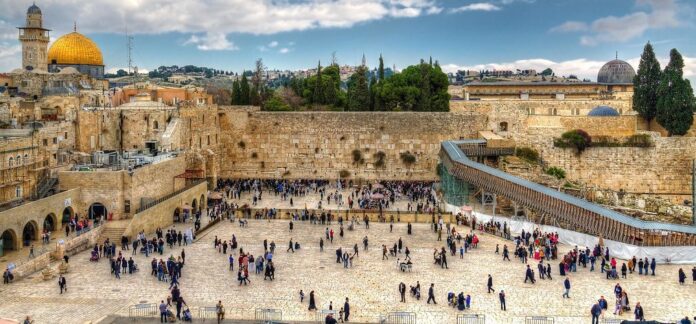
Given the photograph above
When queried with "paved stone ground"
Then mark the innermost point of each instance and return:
(371, 284)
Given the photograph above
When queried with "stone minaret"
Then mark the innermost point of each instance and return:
(34, 39)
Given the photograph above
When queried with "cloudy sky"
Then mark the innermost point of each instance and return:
(569, 36)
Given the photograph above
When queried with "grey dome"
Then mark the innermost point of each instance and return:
(616, 72)
(603, 111)
(34, 9)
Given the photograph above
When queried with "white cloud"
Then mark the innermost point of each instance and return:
(582, 67)
(284, 50)
(480, 6)
(10, 56)
(661, 14)
(272, 44)
(570, 26)
(212, 42)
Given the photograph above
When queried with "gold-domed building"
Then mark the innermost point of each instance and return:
(77, 51)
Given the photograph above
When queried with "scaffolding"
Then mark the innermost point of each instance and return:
(454, 191)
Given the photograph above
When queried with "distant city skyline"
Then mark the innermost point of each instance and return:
(570, 37)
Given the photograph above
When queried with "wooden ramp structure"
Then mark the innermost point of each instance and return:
(569, 212)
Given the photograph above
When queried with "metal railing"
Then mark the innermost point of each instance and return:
(143, 310)
(401, 318)
(322, 313)
(268, 315)
(207, 312)
(471, 319)
(157, 201)
(538, 320)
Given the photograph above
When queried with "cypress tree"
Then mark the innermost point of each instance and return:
(358, 92)
(423, 103)
(675, 103)
(372, 89)
(318, 97)
(646, 83)
(245, 91)
(381, 68)
(236, 93)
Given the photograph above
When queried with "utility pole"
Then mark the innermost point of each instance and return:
(129, 44)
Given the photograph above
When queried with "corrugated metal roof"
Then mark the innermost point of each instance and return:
(455, 153)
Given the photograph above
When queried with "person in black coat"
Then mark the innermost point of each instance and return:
(682, 276)
(346, 310)
(402, 291)
(431, 294)
(62, 284)
(312, 302)
(408, 231)
(693, 274)
(490, 284)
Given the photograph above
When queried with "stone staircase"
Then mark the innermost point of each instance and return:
(113, 230)
(46, 187)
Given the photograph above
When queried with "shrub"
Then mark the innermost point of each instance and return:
(344, 174)
(407, 158)
(357, 156)
(380, 159)
(276, 104)
(527, 153)
(557, 172)
(639, 140)
(577, 138)
(241, 145)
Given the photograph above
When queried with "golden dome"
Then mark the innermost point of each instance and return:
(75, 48)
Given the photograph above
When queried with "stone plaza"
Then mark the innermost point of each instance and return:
(370, 284)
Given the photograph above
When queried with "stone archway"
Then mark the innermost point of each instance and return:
(95, 210)
(68, 213)
(177, 214)
(30, 232)
(9, 241)
(204, 203)
(50, 223)
(194, 206)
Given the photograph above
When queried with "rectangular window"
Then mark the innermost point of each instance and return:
(45, 142)
(126, 206)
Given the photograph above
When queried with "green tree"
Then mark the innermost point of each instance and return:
(236, 93)
(358, 91)
(424, 85)
(547, 72)
(646, 83)
(372, 89)
(318, 96)
(331, 82)
(675, 103)
(245, 91)
(380, 71)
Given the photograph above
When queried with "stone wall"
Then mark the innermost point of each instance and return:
(156, 180)
(619, 126)
(15, 219)
(162, 214)
(320, 144)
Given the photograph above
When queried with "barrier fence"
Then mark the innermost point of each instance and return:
(207, 312)
(321, 315)
(268, 314)
(401, 318)
(471, 319)
(538, 320)
(143, 310)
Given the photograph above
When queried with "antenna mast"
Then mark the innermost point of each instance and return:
(129, 39)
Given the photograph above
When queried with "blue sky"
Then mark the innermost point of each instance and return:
(570, 36)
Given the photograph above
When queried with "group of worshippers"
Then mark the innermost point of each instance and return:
(262, 264)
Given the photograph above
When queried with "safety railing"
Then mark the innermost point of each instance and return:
(157, 201)
(471, 319)
(401, 318)
(143, 310)
(538, 320)
(268, 314)
(323, 313)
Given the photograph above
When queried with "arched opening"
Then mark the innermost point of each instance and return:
(95, 210)
(49, 223)
(30, 233)
(204, 203)
(155, 125)
(67, 214)
(8, 241)
(194, 206)
(177, 214)
(503, 127)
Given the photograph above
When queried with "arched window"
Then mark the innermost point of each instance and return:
(18, 159)
(26, 159)
(18, 191)
(10, 163)
(155, 125)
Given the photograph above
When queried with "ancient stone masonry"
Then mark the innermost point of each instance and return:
(321, 144)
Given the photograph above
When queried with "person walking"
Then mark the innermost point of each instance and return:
(163, 312)
(290, 246)
(566, 285)
(312, 301)
(501, 296)
(220, 311)
(595, 311)
(402, 291)
(346, 310)
(62, 284)
(682, 276)
(640, 315)
(431, 294)
(321, 244)
(490, 284)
